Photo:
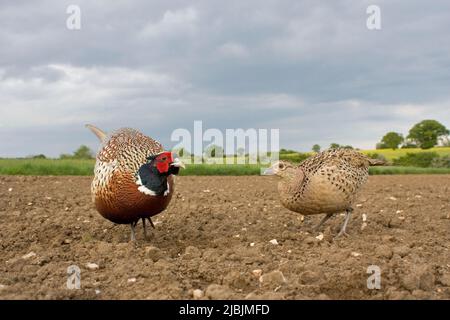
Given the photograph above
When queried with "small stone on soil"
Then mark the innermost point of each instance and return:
(257, 273)
(198, 294)
(29, 255)
(274, 242)
(91, 266)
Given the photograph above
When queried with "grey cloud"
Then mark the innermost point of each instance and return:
(310, 68)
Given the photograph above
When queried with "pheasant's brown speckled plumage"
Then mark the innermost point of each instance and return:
(114, 189)
(325, 183)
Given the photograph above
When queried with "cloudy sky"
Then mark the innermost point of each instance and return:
(309, 68)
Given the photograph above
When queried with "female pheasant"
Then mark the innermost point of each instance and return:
(325, 183)
(133, 177)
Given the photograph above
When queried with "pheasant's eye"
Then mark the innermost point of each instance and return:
(281, 166)
(163, 159)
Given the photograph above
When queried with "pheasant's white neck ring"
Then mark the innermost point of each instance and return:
(147, 189)
(149, 192)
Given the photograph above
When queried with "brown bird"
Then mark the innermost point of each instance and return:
(133, 177)
(327, 183)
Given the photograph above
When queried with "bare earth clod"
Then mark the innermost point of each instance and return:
(219, 244)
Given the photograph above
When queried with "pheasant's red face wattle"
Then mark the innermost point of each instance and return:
(163, 162)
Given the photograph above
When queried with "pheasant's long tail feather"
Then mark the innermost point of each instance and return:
(99, 133)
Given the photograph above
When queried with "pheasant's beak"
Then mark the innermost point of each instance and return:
(271, 170)
(178, 163)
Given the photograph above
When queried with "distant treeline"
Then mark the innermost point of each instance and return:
(423, 135)
(82, 153)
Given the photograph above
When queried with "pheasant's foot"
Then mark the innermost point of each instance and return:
(343, 232)
(145, 229)
(133, 232)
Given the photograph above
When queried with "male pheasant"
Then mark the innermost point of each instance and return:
(133, 177)
(327, 182)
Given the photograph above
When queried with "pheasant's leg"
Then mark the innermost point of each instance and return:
(133, 233)
(145, 228)
(325, 219)
(151, 222)
(348, 214)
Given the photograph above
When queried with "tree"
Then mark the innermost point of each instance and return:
(38, 156)
(284, 151)
(392, 140)
(182, 153)
(214, 151)
(427, 133)
(408, 144)
(83, 152)
(65, 156)
(335, 145)
(316, 148)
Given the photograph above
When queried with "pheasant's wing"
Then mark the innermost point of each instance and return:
(326, 158)
(128, 149)
(335, 157)
(350, 170)
(345, 169)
